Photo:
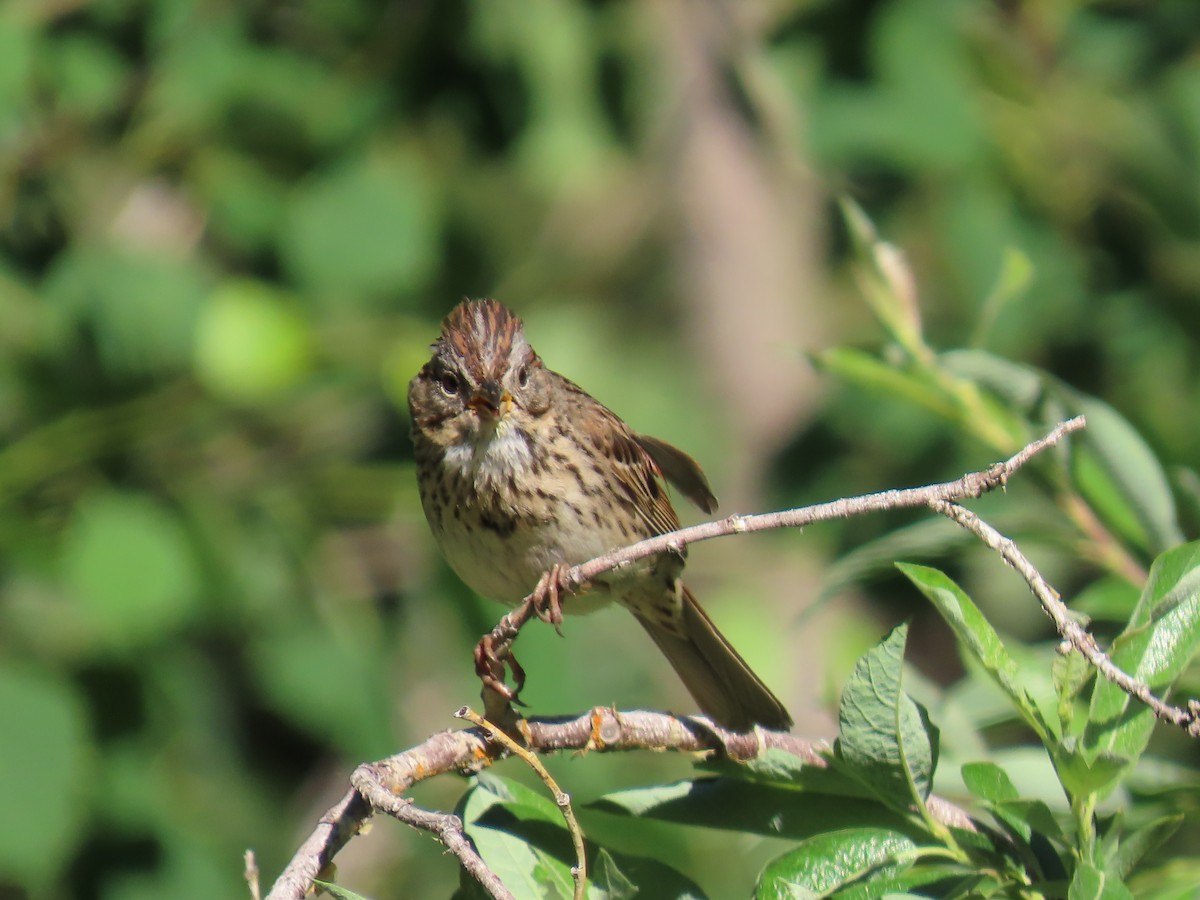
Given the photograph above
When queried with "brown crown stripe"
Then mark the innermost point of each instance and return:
(483, 328)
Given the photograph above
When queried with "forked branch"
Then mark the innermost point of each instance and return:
(379, 786)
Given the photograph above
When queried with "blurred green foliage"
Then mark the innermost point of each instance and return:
(228, 231)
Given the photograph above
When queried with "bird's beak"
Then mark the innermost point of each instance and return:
(491, 400)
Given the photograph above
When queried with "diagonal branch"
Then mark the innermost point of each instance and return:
(1071, 630)
(378, 786)
(975, 484)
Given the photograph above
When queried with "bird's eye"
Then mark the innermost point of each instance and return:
(449, 383)
(523, 376)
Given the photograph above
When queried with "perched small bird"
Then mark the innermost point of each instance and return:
(520, 471)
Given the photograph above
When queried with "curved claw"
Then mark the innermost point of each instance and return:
(493, 656)
(518, 676)
(491, 667)
(547, 596)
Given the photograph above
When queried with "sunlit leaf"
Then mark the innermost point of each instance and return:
(1161, 639)
(520, 833)
(884, 737)
(989, 781)
(1090, 883)
(735, 805)
(977, 634)
(827, 864)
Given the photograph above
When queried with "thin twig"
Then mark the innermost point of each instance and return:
(1070, 629)
(561, 797)
(446, 827)
(974, 484)
(340, 822)
(250, 872)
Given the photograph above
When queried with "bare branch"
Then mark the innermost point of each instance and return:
(1070, 629)
(974, 484)
(378, 786)
(446, 827)
(250, 872)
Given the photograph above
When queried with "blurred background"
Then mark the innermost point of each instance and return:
(228, 231)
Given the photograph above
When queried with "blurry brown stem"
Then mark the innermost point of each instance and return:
(1107, 552)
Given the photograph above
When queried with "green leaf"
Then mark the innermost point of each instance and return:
(977, 635)
(608, 879)
(337, 892)
(523, 830)
(886, 281)
(775, 766)
(828, 863)
(1174, 879)
(779, 767)
(251, 342)
(1136, 844)
(1084, 773)
(329, 682)
(869, 373)
(141, 307)
(1128, 481)
(1033, 773)
(1019, 386)
(44, 758)
(884, 737)
(1091, 883)
(495, 790)
(1114, 468)
(734, 805)
(1016, 274)
(989, 782)
(1026, 816)
(916, 883)
(1160, 641)
(1071, 673)
(525, 869)
(1023, 816)
(363, 232)
(129, 565)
